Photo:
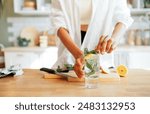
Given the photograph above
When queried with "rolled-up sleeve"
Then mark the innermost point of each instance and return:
(122, 13)
(57, 16)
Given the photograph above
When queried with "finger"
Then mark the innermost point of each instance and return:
(79, 73)
(97, 50)
(80, 63)
(103, 48)
(109, 43)
(79, 70)
(114, 45)
(104, 44)
(100, 42)
(80, 76)
(110, 50)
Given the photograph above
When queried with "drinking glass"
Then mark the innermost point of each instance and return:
(92, 71)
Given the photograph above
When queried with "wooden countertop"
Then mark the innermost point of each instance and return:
(32, 83)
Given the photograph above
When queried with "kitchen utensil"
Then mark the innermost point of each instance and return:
(63, 73)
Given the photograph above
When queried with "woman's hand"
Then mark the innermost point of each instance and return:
(105, 45)
(78, 67)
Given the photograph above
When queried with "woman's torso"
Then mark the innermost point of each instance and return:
(85, 12)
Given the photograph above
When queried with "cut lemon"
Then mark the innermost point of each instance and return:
(122, 70)
(88, 56)
(105, 70)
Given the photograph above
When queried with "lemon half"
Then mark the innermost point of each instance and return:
(122, 70)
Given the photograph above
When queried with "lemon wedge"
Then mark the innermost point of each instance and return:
(105, 70)
(122, 70)
(88, 56)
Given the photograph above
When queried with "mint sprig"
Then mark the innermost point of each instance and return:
(86, 52)
(90, 63)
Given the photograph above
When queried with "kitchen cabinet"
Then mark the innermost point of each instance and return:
(133, 56)
(139, 60)
(36, 57)
(139, 6)
(42, 7)
(30, 57)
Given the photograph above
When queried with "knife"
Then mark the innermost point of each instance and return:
(64, 73)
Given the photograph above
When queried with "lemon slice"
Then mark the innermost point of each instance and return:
(105, 70)
(88, 56)
(122, 70)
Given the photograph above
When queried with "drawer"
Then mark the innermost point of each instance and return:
(25, 59)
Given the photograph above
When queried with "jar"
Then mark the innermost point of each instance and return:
(43, 41)
(138, 38)
(146, 37)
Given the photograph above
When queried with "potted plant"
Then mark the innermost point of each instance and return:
(23, 42)
(147, 3)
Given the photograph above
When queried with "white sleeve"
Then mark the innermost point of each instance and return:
(122, 13)
(57, 16)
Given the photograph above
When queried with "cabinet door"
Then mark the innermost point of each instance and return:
(139, 60)
(48, 57)
(133, 59)
(25, 59)
(121, 58)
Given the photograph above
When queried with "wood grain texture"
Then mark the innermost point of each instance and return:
(112, 76)
(32, 83)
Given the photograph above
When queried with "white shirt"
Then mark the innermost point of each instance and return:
(105, 15)
(85, 11)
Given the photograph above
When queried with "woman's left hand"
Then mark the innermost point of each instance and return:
(78, 67)
(105, 45)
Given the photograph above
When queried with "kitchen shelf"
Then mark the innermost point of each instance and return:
(34, 12)
(42, 8)
(140, 11)
(138, 7)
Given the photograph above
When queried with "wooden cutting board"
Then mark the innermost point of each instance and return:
(73, 77)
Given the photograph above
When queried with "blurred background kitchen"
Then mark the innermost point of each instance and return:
(26, 35)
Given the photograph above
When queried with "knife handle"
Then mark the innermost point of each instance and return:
(48, 70)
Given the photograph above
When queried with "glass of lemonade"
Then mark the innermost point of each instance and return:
(92, 70)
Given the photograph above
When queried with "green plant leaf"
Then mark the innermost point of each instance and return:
(68, 66)
(90, 73)
(89, 66)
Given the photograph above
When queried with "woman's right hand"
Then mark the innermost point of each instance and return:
(78, 67)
